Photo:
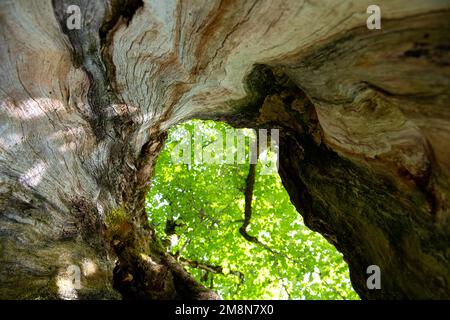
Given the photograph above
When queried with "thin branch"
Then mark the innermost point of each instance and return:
(249, 186)
(185, 244)
(331, 287)
(286, 290)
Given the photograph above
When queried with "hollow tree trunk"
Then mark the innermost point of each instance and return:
(364, 140)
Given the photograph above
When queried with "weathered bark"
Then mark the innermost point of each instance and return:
(364, 141)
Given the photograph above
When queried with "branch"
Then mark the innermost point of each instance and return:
(249, 186)
(331, 287)
(209, 268)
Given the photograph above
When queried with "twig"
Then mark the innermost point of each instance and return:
(209, 268)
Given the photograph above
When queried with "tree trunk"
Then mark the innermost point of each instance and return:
(363, 115)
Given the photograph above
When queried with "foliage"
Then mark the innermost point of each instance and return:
(203, 206)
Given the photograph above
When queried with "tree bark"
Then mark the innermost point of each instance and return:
(363, 115)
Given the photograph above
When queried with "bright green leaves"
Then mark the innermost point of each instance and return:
(206, 203)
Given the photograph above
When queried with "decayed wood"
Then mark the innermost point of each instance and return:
(364, 142)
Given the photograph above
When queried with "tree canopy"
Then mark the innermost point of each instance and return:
(198, 211)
